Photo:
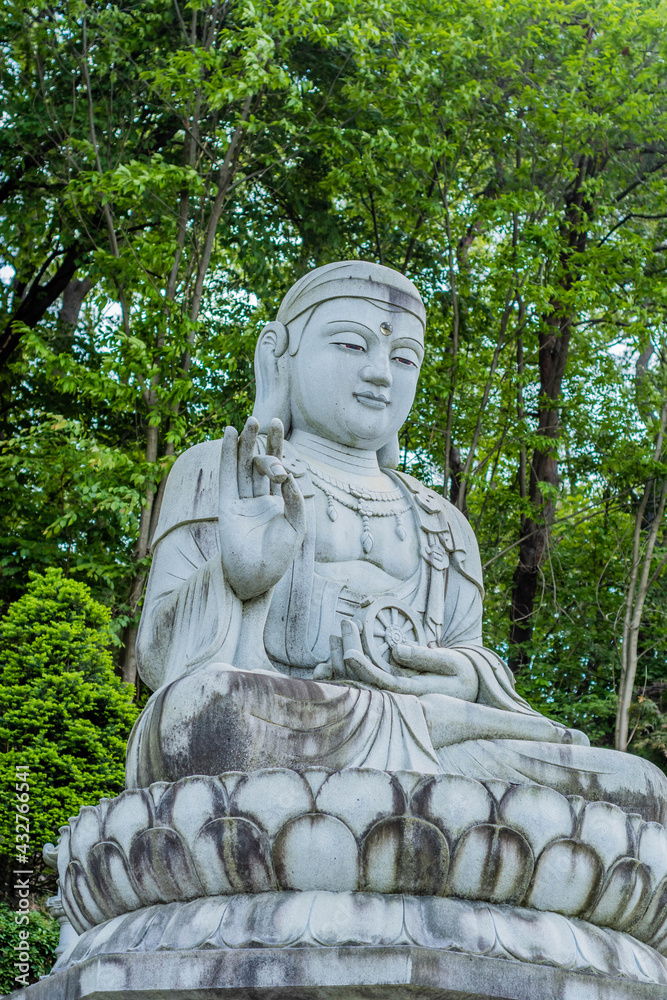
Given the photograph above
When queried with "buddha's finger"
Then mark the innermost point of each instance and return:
(271, 467)
(295, 508)
(424, 659)
(268, 474)
(349, 631)
(274, 438)
(360, 668)
(228, 483)
(247, 444)
(274, 447)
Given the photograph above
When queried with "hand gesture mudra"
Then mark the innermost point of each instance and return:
(261, 514)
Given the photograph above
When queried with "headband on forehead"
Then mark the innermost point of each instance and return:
(355, 279)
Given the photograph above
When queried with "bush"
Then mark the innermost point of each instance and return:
(43, 932)
(63, 711)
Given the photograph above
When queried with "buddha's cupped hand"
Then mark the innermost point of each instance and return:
(441, 671)
(447, 696)
(261, 514)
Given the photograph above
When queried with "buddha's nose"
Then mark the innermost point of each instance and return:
(377, 374)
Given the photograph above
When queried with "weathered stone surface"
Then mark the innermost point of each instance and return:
(567, 877)
(361, 831)
(328, 974)
(493, 863)
(316, 852)
(405, 854)
(355, 940)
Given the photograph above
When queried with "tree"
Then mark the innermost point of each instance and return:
(158, 133)
(509, 157)
(64, 714)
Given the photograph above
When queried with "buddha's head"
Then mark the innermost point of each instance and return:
(343, 356)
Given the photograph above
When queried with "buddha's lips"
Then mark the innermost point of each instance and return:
(370, 399)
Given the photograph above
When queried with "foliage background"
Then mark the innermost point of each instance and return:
(64, 713)
(43, 931)
(168, 170)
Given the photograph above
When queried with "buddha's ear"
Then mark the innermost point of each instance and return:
(389, 454)
(272, 377)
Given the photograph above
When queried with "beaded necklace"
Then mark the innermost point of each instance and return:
(361, 502)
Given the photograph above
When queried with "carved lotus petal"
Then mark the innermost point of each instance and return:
(410, 781)
(231, 855)
(491, 863)
(316, 776)
(206, 847)
(128, 816)
(266, 921)
(652, 849)
(624, 897)
(157, 926)
(652, 927)
(540, 814)
(497, 788)
(659, 939)
(352, 918)
(189, 804)
(86, 908)
(78, 920)
(567, 878)
(84, 834)
(405, 855)
(88, 944)
(434, 922)
(156, 791)
(162, 867)
(132, 929)
(109, 871)
(271, 797)
(63, 856)
(316, 852)
(230, 779)
(453, 803)
(194, 925)
(549, 938)
(360, 798)
(607, 829)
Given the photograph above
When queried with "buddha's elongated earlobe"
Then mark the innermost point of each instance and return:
(272, 376)
(389, 454)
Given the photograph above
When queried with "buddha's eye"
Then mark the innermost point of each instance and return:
(405, 361)
(350, 347)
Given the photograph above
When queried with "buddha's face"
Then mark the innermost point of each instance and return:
(354, 376)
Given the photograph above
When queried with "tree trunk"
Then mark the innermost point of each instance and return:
(643, 544)
(153, 498)
(554, 343)
(37, 300)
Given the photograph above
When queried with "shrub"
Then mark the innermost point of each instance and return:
(63, 711)
(43, 932)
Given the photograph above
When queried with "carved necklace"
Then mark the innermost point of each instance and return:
(362, 502)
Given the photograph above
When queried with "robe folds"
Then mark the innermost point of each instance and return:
(210, 714)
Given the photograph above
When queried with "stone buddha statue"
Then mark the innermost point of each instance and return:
(335, 790)
(308, 605)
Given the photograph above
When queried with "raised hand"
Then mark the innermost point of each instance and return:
(261, 511)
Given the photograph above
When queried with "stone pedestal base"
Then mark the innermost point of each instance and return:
(351, 946)
(356, 973)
